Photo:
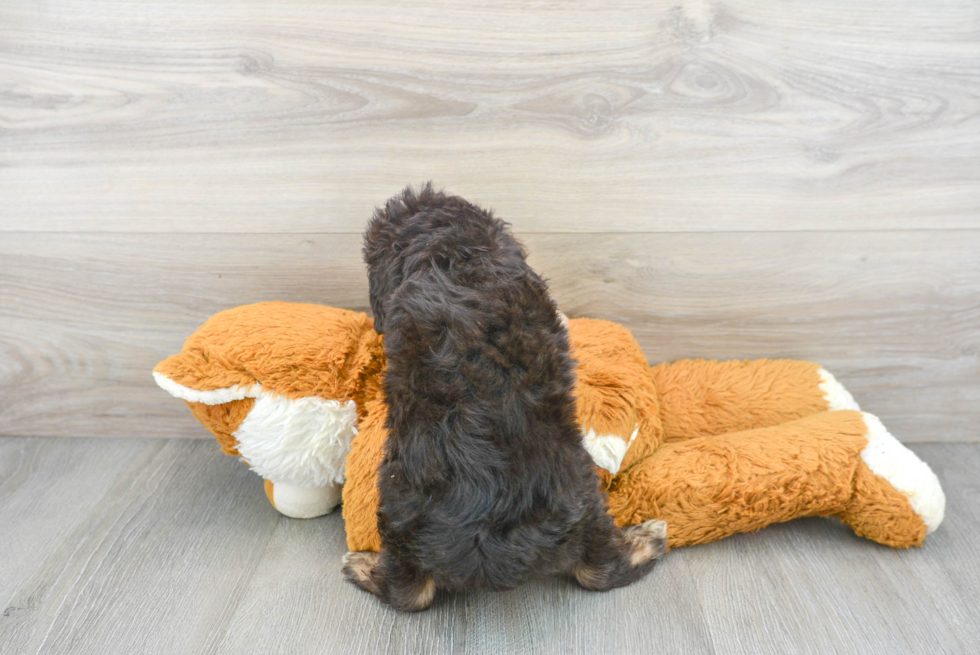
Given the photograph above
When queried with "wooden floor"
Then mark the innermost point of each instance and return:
(167, 546)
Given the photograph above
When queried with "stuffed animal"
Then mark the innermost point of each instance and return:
(712, 448)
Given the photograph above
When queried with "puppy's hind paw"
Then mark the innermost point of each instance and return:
(358, 567)
(647, 541)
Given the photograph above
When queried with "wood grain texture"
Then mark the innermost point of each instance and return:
(893, 315)
(640, 116)
(541, 616)
(172, 547)
(157, 562)
(945, 580)
(47, 494)
(818, 580)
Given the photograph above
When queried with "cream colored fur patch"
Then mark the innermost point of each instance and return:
(301, 442)
(213, 397)
(837, 396)
(607, 450)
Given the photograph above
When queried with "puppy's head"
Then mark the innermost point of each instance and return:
(424, 230)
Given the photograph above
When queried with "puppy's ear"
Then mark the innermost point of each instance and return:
(381, 251)
(378, 311)
(382, 259)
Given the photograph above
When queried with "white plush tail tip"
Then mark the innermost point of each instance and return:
(837, 396)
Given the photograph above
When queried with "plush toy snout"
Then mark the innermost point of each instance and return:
(303, 502)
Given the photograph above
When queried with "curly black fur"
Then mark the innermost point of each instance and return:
(484, 480)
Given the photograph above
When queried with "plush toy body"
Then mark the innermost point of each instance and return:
(712, 448)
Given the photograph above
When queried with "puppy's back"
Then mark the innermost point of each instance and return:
(483, 439)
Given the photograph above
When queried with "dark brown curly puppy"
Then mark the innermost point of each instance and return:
(485, 480)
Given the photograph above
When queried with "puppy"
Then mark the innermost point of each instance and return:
(485, 480)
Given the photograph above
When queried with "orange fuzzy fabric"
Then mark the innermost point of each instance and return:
(880, 513)
(717, 447)
(701, 398)
(292, 349)
(614, 393)
(361, 487)
(223, 420)
(707, 488)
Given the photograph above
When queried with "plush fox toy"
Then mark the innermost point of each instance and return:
(712, 448)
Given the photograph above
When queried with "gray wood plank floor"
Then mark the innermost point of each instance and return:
(167, 546)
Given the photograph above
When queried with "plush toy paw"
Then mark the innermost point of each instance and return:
(897, 498)
(302, 502)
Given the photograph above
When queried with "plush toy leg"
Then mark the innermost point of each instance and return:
(301, 502)
(361, 488)
(707, 488)
(699, 398)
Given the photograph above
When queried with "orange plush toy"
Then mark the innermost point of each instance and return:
(712, 448)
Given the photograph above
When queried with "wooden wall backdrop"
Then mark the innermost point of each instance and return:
(729, 179)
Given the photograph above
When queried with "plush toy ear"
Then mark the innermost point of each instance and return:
(219, 397)
(196, 378)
